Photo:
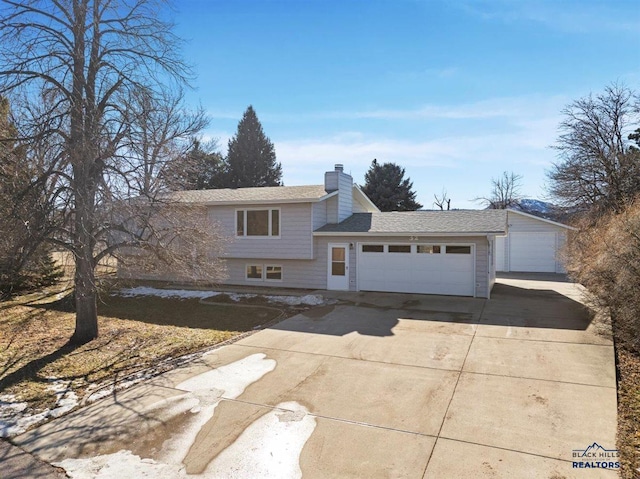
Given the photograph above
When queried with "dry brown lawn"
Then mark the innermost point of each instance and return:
(135, 334)
(629, 413)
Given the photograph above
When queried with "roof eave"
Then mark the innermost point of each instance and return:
(410, 233)
(327, 196)
(257, 202)
(529, 215)
(366, 199)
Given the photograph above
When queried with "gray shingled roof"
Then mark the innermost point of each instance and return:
(267, 194)
(445, 222)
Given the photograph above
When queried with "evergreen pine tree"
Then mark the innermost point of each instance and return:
(202, 168)
(386, 186)
(251, 159)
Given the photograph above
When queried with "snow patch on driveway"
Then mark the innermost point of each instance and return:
(275, 440)
(227, 381)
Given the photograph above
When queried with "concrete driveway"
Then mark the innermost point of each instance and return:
(379, 385)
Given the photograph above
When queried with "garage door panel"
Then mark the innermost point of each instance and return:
(425, 273)
(532, 252)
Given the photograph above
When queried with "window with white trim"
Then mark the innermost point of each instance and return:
(258, 222)
(262, 272)
(273, 273)
(254, 272)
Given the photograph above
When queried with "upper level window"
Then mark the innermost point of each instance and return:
(258, 222)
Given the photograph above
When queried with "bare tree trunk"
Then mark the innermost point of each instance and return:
(89, 59)
(86, 300)
(85, 281)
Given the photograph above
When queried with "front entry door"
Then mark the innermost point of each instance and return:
(338, 267)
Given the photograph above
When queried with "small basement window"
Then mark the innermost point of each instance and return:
(372, 248)
(274, 273)
(399, 248)
(458, 249)
(429, 248)
(261, 272)
(254, 272)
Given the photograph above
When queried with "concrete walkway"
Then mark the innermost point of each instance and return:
(18, 464)
(380, 385)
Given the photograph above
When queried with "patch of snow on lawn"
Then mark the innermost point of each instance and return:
(109, 390)
(66, 399)
(309, 299)
(165, 293)
(10, 414)
(16, 419)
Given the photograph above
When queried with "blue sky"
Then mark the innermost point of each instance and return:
(455, 92)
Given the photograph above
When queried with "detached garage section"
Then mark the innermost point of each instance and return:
(532, 245)
(425, 252)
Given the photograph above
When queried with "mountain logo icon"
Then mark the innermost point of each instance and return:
(593, 450)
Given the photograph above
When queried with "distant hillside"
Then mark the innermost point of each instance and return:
(536, 207)
(545, 210)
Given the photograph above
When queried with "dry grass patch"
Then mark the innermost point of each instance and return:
(629, 414)
(135, 334)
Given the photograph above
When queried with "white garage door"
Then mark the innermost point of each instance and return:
(532, 252)
(417, 268)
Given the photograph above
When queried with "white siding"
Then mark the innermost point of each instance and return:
(360, 205)
(332, 210)
(492, 252)
(501, 253)
(319, 214)
(307, 274)
(295, 241)
(519, 223)
(339, 207)
(312, 273)
(481, 247)
(345, 197)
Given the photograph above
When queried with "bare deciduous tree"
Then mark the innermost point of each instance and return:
(96, 72)
(442, 200)
(598, 169)
(160, 135)
(25, 213)
(505, 192)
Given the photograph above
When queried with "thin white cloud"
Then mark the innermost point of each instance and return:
(565, 16)
(463, 164)
(481, 140)
(501, 107)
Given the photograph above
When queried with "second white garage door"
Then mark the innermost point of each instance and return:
(417, 268)
(532, 252)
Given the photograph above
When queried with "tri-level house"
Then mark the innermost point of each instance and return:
(331, 236)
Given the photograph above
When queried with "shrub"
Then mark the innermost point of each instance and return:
(39, 271)
(605, 257)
